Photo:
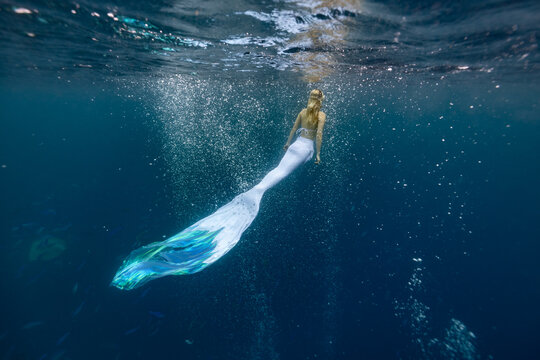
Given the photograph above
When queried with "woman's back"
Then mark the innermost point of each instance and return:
(308, 125)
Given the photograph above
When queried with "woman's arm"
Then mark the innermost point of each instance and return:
(293, 130)
(318, 141)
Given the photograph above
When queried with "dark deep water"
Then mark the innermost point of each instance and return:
(416, 237)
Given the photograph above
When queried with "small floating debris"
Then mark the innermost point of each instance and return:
(21, 10)
(78, 309)
(62, 338)
(131, 331)
(189, 342)
(32, 324)
(157, 314)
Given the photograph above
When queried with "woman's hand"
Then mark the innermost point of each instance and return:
(286, 147)
(318, 160)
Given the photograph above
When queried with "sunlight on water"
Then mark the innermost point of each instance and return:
(313, 37)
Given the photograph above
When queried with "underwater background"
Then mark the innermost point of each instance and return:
(417, 237)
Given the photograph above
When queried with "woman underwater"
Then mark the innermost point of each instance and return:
(311, 120)
(209, 239)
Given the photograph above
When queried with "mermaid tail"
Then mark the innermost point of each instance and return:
(209, 239)
(194, 248)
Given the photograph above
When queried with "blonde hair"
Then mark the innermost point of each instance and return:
(314, 104)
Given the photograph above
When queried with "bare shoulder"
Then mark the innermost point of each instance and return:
(322, 116)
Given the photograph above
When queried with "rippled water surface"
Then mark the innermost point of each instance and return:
(314, 37)
(123, 122)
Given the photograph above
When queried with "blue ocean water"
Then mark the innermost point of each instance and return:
(416, 237)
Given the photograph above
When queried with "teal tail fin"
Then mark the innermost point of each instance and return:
(194, 248)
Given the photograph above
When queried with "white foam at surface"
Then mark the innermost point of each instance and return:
(248, 40)
(283, 20)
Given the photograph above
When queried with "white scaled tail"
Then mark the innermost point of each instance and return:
(209, 239)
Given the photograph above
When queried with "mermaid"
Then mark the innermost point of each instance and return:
(204, 242)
